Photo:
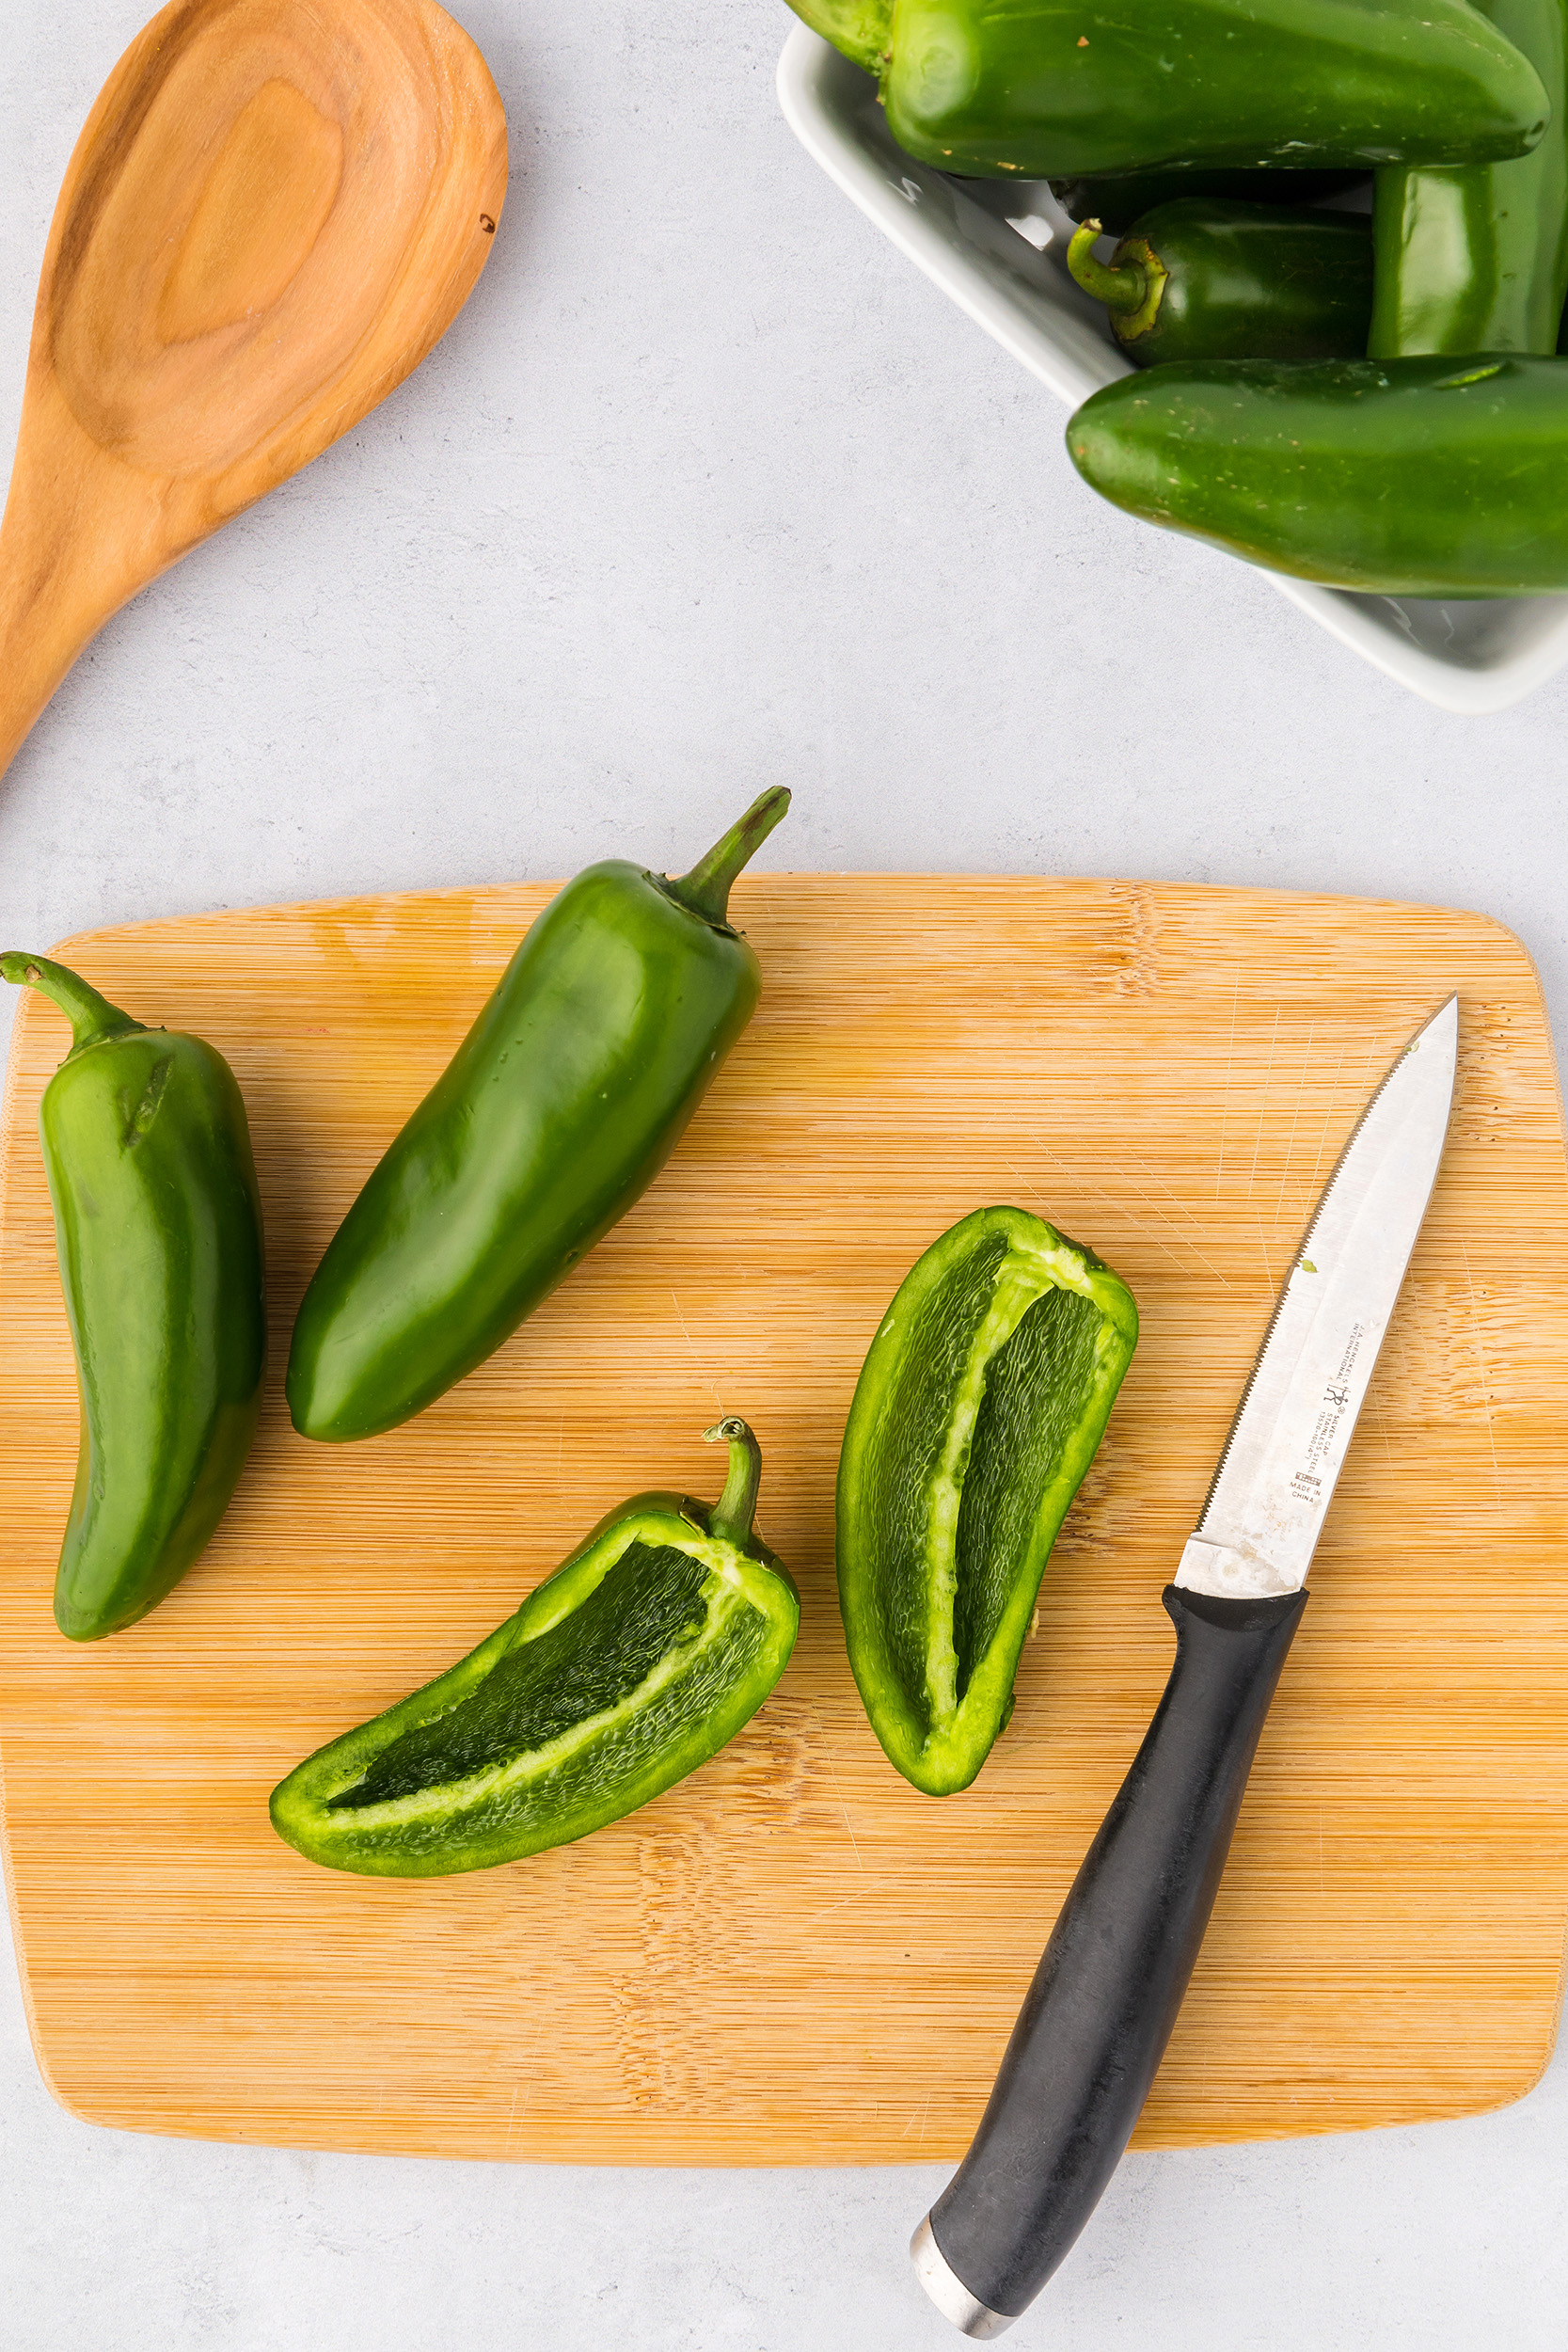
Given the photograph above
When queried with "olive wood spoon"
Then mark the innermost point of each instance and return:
(274, 210)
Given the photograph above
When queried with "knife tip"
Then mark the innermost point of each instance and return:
(1443, 1023)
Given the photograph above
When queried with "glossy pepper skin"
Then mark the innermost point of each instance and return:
(1401, 477)
(158, 1224)
(1477, 260)
(1119, 203)
(978, 1409)
(638, 1659)
(558, 1110)
(1061, 89)
(1210, 278)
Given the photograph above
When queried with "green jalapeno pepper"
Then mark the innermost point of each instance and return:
(1117, 204)
(1062, 89)
(638, 1659)
(558, 1110)
(158, 1224)
(1207, 279)
(1477, 259)
(1402, 477)
(977, 1412)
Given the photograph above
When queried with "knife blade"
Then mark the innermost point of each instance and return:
(1098, 2015)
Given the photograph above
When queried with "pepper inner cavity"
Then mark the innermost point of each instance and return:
(1035, 1387)
(1012, 1412)
(654, 1601)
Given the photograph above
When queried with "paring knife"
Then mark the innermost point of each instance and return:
(1104, 1998)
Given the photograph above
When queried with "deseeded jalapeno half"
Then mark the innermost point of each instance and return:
(646, 1650)
(978, 1409)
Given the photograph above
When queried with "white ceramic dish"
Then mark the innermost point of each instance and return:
(992, 247)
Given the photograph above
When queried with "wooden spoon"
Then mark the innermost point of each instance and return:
(277, 207)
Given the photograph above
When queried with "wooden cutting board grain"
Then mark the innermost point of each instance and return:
(795, 1958)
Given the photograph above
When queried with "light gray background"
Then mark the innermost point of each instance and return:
(707, 488)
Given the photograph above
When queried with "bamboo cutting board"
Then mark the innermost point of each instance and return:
(793, 1957)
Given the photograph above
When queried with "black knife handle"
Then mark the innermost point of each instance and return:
(1104, 1999)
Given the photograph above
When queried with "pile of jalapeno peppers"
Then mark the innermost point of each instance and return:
(1373, 403)
(981, 1402)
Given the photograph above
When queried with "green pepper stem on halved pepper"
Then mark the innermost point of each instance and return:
(560, 1107)
(1051, 90)
(978, 1409)
(638, 1659)
(159, 1229)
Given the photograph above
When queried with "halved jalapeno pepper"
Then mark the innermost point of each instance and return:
(977, 1412)
(638, 1659)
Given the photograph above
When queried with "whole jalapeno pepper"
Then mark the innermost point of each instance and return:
(1477, 260)
(158, 1228)
(1207, 279)
(646, 1650)
(558, 1110)
(1061, 89)
(1424, 477)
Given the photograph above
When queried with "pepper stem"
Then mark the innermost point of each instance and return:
(731, 1517)
(1122, 288)
(858, 27)
(91, 1016)
(706, 889)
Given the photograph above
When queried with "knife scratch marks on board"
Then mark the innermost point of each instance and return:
(527, 2079)
(1380, 1053)
(1120, 1209)
(696, 1360)
(1117, 1208)
(920, 2116)
(1197, 1253)
(1485, 1382)
(1296, 1123)
(1375, 1408)
(1256, 1148)
(1263, 1104)
(848, 1832)
(857, 1894)
(1229, 1058)
(1313, 1187)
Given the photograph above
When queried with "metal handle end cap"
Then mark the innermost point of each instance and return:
(948, 2291)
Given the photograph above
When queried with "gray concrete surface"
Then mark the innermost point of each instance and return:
(706, 488)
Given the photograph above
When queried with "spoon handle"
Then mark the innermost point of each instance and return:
(82, 532)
